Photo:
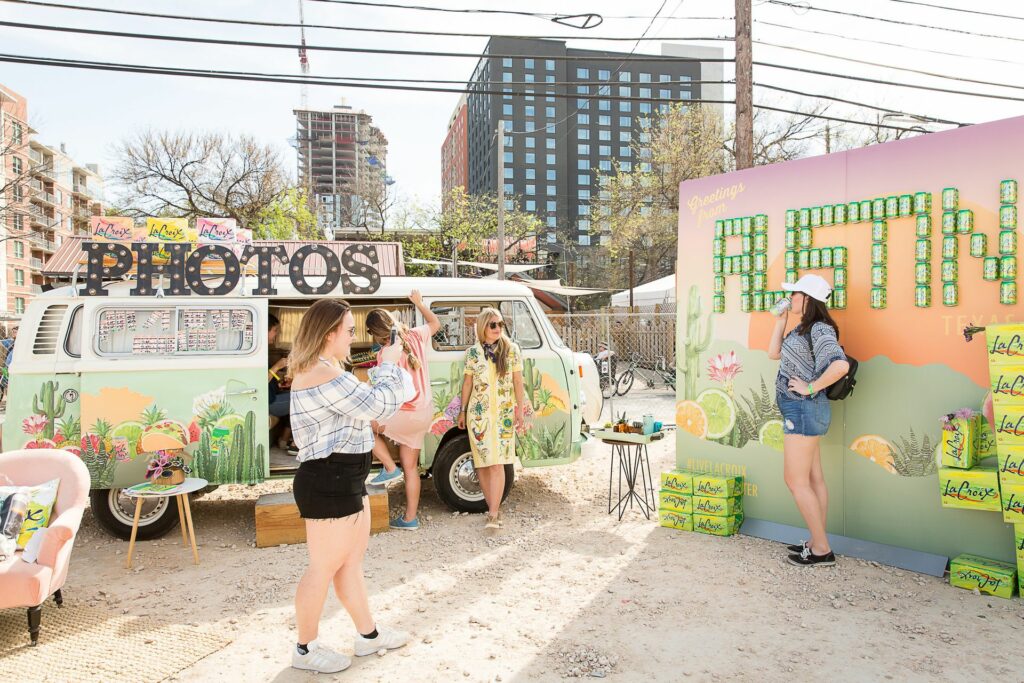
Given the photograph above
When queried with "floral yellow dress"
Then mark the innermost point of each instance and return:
(490, 415)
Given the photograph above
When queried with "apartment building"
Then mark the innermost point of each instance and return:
(455, 154)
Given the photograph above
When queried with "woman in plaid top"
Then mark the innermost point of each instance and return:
(331, 413)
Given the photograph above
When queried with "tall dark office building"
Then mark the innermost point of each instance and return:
(555, 145)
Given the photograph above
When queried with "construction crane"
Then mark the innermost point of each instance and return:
(303, 58)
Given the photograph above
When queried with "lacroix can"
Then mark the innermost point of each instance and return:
(790, 218)
(892, 207)
(950, 199)
(718, 304)
(747, 225)
(923, 273)
(815, 216)
(879, 276)
(814, 259)
(727, 265)
(745, 303)
(791, 277)
(878, 297)
(803, 258)
(866, 209)
(757, 300)
(839, 278)
(826, 258)
(922, 296)
(806, 238)
(879, 231)
(745, 284)
(805, 218)
(964, 221)
(728, 227)
(979, 245)
(950, 246)
(839, 213)
(828, 215)
(839, 256)
(1008, 267)
(760, 282)
(1008, 216)
(878, 208)
(879, 254)
(948, 222)
(761, 223)
(746, 263)
(923, 250)
(1008, 192)
(949, 271)
(790, 259)
(791, 238)
(906, 204)
(923, 224)
(760, 241)
(1008, 292)
(760, 262)
(853, 212)
(922, 202)
(718, 247)
(950, 294)
(719, 228)
(1007, 242)
(746, 244)
(990, 268)
(839, 298)
(719, 284)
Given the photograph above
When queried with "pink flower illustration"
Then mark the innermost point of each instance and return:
(724, 367)
(452, 411)
(440, 427)
(964, 414)
(34, 424)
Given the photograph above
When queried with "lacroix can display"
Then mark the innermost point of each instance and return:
(718, 247)
(923, 273)
(877, 208)
(719, 284)
(804, 258)
(760, 262)
(839, 277)
(948, 222)
(877, 297)
(718, 304)
(805, 218)
(879, 276)
(1008, 192)
(922, 296)
(950, 246)
(879, 231)
(840, 213)
(791, 238)
(814, 258)
(853, 212)
(806, 238)
(760, 241)
(866, 210)
(1008, 216)
(923, 250)
(906, 204)
(727, 265)
(1007, 242)
(990, 268)
(791, 277)
(719, 228)
(826, 258)
(879, 254)
(746, 263)
(839, 298)
(892, 207)
(950, 294)
(923, 224)
(745, 284)
(746, 225)
(815, 216)
(760, 223)
(746, 244)
(964, 221)
(760, 281)
(923, 202)
(950, 199)
(828, 215)
(950, 270)
(839, 256)
(1008, 267)
(757, 298)
(790, 260)
(745, 303)
(727, 230)
(979, 245)
(791, 218)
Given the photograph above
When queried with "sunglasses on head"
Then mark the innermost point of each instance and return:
(496, 325)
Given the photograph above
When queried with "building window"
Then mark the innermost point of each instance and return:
(604, 135)
(604, 74)
(531, 189)
(582, 73)
(604, 105)
(583, 104)
(625, 136)
(645, 167)
(529, 96)
(19, 223)
(506, 109)
(552, 174)
(626, 166)
(19, 250)
(645, 92)
(665, 94)
(549, 98)
(531, 173)
(665, 78)
(625, 106)
(549, 112)
(531, 205)
(625, 122)
(549, 64)
(582, 134)
(583, 179)
(583, 89)
(16, 165)
(508, 93)
(583, 119)
(583, 149)
(549, 79)
(551, 190)
(551, 224)
(506, 77)
(685, 79)
(509, 173)
(550, 160)
(625, 76)
(529, 63)
(549, 143)
(605, 150)
(685, 95)
(604, 120)
(552, 206)
(508, 158)
(509, 188)
(645, 107)
(583, 224)
(531, 158)
(583, 194)
(645, 78)
(644, 122)
(531, 142)
(510, 205)
(584, 240)
(583, 164)
(19, 277)
(625, 152)
(625, 91)
(506, 62)
(19, 305)
(528, 78)
(16, 133)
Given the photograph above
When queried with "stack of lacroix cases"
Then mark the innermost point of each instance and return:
(706, 503)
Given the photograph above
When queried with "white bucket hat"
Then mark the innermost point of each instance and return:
(813, 286)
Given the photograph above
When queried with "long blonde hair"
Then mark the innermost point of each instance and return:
(379, 323)
(502, 347)
(318, 322)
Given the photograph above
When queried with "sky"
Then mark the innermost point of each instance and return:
(91, 111)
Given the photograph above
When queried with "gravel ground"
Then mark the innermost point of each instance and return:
(565, 591)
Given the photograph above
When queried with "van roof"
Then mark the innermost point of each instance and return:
(390, 287)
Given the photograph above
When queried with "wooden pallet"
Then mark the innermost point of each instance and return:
(278, 521)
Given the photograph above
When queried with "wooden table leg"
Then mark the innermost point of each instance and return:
(135, 531)
(181, 520)
(191, 530)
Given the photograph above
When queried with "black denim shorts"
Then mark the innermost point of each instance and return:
(331, 487)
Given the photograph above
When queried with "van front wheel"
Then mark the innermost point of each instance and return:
(115, 511)
(456, 481)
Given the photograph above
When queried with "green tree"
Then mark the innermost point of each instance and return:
(287, 216)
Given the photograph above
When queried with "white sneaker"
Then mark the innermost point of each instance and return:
(386, 640)
(321, 659)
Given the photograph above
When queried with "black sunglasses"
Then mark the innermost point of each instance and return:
(496, 325)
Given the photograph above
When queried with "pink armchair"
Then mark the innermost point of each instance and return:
(28, 585)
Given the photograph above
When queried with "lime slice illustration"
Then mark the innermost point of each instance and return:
(771, 434)
(229, 422)
(129, 430)
(721, 412)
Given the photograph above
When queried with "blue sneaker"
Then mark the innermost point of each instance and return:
(399, 523)
(385, 476)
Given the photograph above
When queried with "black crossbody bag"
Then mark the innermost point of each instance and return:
(845, 385)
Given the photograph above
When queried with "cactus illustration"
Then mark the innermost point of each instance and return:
(455, 379)
(694, 344)
(531, 381)
(49, 404)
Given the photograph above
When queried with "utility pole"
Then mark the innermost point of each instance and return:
(501, 199)
(632, 278)
(828, 139)
(744, 88)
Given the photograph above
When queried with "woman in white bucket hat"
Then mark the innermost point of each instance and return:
(811, 361)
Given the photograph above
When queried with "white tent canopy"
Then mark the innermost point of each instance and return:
(661, 291)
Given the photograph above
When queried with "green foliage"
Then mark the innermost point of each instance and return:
(289, 216)
(913, 457)
(542, 444)
(695, 343)
(754, 410)
(50, 404)
(71, 428)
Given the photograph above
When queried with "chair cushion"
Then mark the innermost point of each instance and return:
(23, 584)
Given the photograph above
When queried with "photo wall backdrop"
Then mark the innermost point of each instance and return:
(920, 238)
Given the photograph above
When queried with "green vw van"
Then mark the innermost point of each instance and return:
(116, 378)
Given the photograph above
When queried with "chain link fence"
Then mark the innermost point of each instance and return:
(635, 353)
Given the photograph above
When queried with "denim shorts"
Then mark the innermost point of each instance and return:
(805, 416)
(331, 487)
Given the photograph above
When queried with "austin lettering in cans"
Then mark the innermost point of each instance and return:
(906, 204)
(839, 213)
(879, 276)
(950, 246)
(727, 265)
(1008, 216)
(760, 241)
(815, 216)
(1008, 292)
(791, 259)
(839, 298)
(719, 228)
(839, 256)
(728, 227)
(877, 208)
(760, 282)
(791, 238)
(746, 263)
(950, 199)
(950, 294)
(879, 254)
(757, 299)
(747, 225)
(878, 297)
(746, 244)
(853, 212)
(922, 296)
(719, 284)
(923, 250)
(1008, 267)
(745, 284)
(866, 209)
(760, 262)
(761, 223)
(979, 245)
(892, 207)
(717, 265)
(806, 238)
(879, 231)
(804, 258)
(718, 304)
(964, 221)
(805, 218)
(814, 259)
(1008, 192)
(922, 202)
(839, 278)
(718, 247)
(828, 215)
(948, 222)
(1007, 242)
(990, 268)
(923, 273)
(737, 264)
(826, 258)
(923, 224)
(949, 271)
(790, 218)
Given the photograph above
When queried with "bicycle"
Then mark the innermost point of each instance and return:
(636, 366)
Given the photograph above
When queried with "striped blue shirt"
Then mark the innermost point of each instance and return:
(798, 361)
(334, 417)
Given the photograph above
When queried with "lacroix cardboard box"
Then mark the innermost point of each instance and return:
(1011, 466)
(679, 481)
(1018, 543)
(1009, 425)
(958, 443)
(717, 486)
(1007, 383)
(976, 489)
(719, 507)
(675, 520)
(169, 230)
(986, 439)
(1005, 344)
(717, 526)
(988, 576)
(675, 502)
(1012, 500)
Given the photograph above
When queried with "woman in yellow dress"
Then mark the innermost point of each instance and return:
(494, 370)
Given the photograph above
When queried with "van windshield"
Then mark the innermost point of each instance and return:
(556, 340)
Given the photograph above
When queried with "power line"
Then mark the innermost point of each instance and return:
(282, 24)
(452, 10)
(959, 9)
(836, 118)
(930, 119)
(807, 6)
(334, 48)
